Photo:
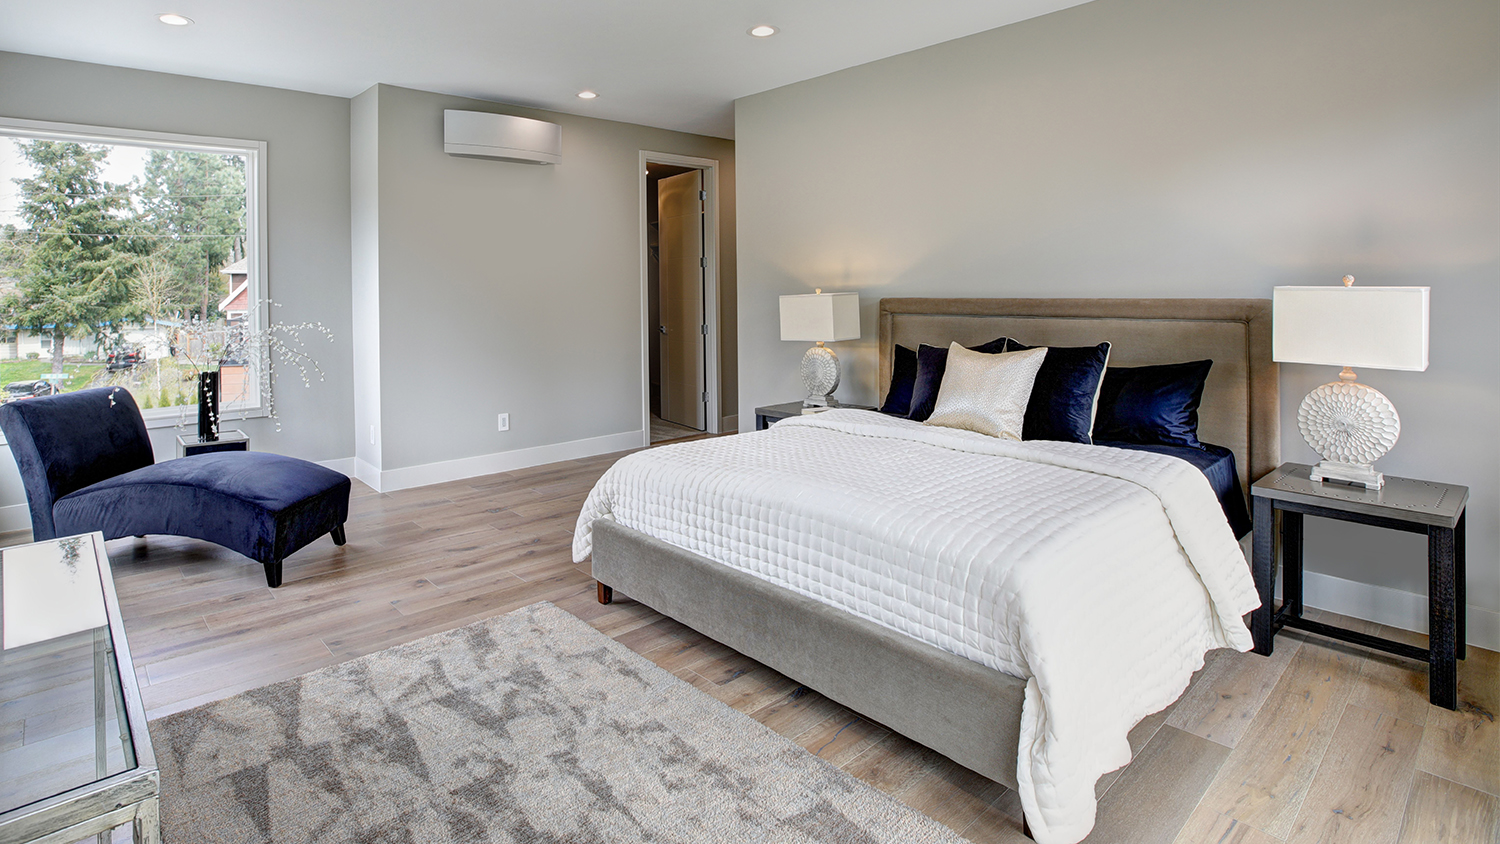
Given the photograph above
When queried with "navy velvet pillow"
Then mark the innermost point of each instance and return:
(932, 361)
(1152, 405)
(1062, 399)
(903, 379)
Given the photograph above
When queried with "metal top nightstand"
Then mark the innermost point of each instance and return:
(1436, 509)
(766, 416)
(1403, 499)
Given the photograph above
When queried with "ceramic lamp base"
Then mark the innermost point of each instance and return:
(1350, 426)
(820, 376)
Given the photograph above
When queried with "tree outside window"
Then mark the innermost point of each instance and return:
(117, 259)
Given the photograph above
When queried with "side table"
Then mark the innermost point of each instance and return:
(769, 415)
(189, 444)
(1435, 509)
(67, 665)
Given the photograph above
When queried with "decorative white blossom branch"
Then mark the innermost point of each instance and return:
(261, 349)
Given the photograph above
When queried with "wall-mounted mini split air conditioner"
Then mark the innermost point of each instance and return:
(478, 134)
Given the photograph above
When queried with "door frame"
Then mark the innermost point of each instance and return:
(713, 413)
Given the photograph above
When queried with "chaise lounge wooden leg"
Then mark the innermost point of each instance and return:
(273, 574)
(338, 535)
(1026, 828)
(606, 594)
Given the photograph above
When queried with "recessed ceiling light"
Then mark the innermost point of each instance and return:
(174, 20)
(586, 95)
(763, 31)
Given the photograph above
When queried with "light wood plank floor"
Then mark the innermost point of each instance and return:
(1322, 742)
(662, 430)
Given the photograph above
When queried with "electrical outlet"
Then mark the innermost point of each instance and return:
(505, 421)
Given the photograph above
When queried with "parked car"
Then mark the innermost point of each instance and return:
(17, 390)
(122, 359)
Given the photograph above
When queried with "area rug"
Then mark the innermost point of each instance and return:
(528, 727)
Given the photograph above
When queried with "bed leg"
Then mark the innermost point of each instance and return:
(1026, 827)
(606, 594)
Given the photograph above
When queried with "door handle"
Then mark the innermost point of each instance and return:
(662, 329)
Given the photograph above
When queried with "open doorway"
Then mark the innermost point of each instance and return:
(680, 280)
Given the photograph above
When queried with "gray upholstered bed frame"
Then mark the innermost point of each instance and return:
(967, 712)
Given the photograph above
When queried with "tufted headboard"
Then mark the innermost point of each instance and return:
(1241, 402)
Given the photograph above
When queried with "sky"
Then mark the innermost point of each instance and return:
(124, 163)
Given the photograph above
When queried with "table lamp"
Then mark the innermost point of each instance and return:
(1349, 424)
(823, 318)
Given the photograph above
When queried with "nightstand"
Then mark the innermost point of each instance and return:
(189, 444)
(766, 416)
(1428, 507)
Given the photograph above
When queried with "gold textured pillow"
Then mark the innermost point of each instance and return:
(986, 393)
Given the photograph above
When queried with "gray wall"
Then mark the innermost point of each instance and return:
(507, 287)
(307, 160)
(456, 289)
(1174, 148)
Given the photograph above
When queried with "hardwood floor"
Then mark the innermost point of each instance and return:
(663, 431)
(1322, 742)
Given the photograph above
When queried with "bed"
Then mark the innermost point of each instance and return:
(969, 711)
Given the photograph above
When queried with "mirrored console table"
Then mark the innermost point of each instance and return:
(82, 764)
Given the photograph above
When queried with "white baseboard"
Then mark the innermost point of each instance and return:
(15, 517)
(18, 516)
(502, 461)
(365, 472)
(1406, 610)
(344, 465)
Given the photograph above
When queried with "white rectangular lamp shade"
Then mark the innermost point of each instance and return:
(1369, 327)
(822, 317)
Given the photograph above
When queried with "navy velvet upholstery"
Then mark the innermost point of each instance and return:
(87, 465)
(903, 379)
(1152, 405)
(1061, 406)
(55, 458)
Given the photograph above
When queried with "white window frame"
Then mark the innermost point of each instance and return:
(255, 212)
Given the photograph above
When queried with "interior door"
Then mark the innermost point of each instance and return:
(682, 330)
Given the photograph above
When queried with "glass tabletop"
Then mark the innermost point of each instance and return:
(63, 723)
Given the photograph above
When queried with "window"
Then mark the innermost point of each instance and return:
(131, 259)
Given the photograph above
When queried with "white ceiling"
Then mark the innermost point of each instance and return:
(676, 64)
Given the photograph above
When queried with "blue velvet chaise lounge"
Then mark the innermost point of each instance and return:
(87, 465)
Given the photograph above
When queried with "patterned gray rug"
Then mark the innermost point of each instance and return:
(529, 727)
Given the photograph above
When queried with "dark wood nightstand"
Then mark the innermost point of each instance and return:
(766, 416)
(1428, 507)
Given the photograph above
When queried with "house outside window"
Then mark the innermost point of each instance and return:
(130, 259)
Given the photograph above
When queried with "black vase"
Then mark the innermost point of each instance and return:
(208, 406)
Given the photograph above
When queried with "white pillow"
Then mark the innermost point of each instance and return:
(986, 393)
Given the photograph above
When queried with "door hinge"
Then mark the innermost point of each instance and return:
(703, 194)
(703, 261)
(704, 399)
(703, 329)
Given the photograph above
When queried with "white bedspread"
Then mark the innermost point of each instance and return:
(1101, 576)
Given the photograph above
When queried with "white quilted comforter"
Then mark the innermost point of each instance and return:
(1101, 576)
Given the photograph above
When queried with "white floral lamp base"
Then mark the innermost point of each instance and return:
(1350, 426)
(820, 375)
